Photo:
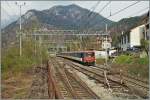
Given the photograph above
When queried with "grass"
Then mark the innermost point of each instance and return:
(100, 61)
(126, 59)
(143, 61)
(16, 86)
(138, 70)
(133, 65)
(12, 61)
(123, 59)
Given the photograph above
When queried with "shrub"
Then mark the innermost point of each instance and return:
(143, 61)
(133, 65)
(12, 61)
(123, 59)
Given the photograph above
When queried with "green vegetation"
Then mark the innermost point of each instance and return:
(140, 67)
(131, 59)
(11, 61)
(123, 59)
(145, 45)
(133, 65)
(143, 61)
(100, 61)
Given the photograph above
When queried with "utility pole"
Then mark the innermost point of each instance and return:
(40, 43)
(35, 45)
(106, 46)
(80, 43)
(20, 35)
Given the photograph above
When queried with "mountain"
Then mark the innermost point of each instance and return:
(5, 22)
(57, 17)
(65, 17)
(70, 17)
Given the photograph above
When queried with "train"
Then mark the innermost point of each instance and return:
(83, 57)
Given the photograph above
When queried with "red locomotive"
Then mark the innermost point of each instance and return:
(84, 57)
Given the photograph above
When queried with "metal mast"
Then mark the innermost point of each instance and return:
(106, 47)
(20, 35)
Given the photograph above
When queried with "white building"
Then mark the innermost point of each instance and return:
(106, 42)
(106, 45)
(103, 54)
(133, 38)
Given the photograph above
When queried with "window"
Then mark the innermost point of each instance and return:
(121, 40)
(128, 38)
(124, 39)
(89, 54)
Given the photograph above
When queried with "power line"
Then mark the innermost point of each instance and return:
(119, 11)
(124, 8)
(104, 7)
(139, 11)
(94, 7)
(89, 14)
(100, 11)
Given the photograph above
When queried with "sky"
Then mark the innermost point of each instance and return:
(9, 9)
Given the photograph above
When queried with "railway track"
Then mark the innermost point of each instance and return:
(69, 85)
(115, 82)
(124, 75)
(140, 86)
(125, 78)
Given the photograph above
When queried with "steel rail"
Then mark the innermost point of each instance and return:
(74, 85)
(53, 90)
(86, 71)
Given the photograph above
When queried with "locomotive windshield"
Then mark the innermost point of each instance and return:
(89, 54)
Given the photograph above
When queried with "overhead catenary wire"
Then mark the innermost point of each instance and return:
(124, 8)
(89, 16)
(99, 12)
(102, 8)
(84, 16)
(95, 16)
(119, 11)
(93, 8)
(139, 11)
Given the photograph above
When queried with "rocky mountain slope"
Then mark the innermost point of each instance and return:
(57, 17)
(65, 17)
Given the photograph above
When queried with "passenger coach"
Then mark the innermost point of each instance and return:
(84, 57)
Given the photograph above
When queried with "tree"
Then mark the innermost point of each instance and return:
(145, 45)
